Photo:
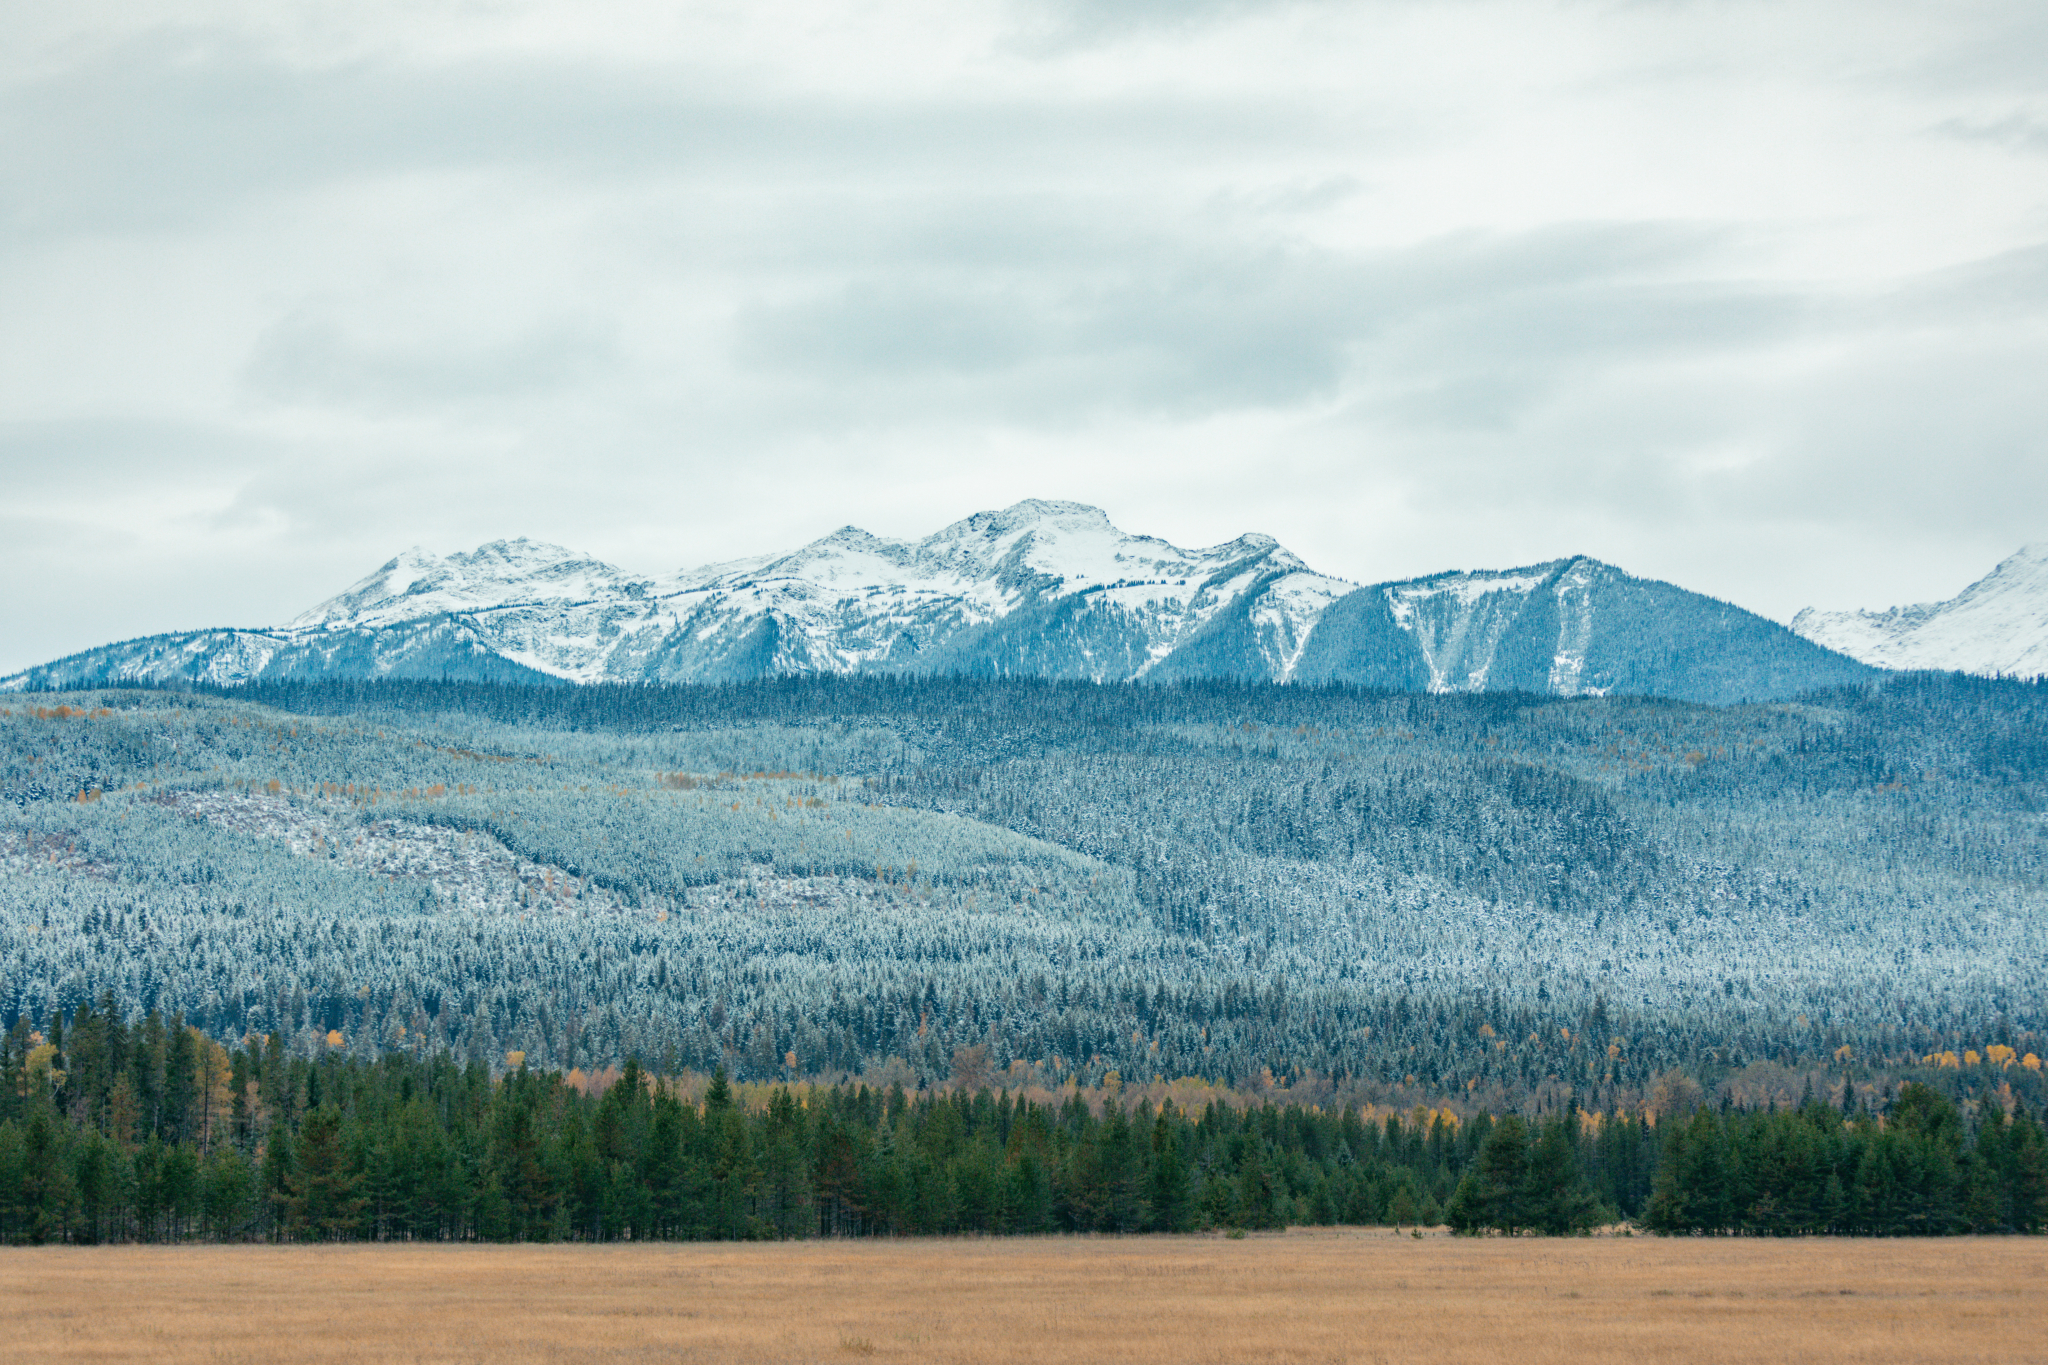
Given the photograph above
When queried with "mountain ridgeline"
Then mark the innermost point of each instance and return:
(1040, 589)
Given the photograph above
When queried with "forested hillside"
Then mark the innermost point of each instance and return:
(1493, 897)
(113, 1129)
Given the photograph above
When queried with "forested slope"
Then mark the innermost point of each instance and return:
(1467, 895)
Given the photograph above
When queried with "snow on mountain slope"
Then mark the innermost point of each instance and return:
(541, 606)
(854, 600)
(1285, 614)
(1575, 612)
(1045, 588)
(503, 574)
(1996, 626)
(1566, 628)
(1458, 620)
(1039, 589)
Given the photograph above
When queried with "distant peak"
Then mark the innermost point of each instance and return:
(1526, 573)
(1036, 511)
(846, 538)
(1050, 507)
(524, 550)
(520, 550)
(1254, 540)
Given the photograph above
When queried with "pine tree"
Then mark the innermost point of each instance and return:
(47, 1199)
(786, 1169)
(1169, 1191)
(323, 1199)
(1494, 1193)
(1558, 1200)
(229, 1188)
(517, 1161)
(2028, 1155)
(277, 1175)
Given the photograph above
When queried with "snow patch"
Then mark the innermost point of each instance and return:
(1574, 590)
(1458, 620)
(1998, 626)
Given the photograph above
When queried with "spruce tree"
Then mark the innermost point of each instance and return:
(1557, 1199)
(1168, 1191)
(323, 1199)
(1495, 1192)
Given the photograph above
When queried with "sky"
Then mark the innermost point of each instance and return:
(1748, 295)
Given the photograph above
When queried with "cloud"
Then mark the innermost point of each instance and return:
(172, 128)
(1057, 26)
(1993, 48)
(1195, 325)
(311, 359)
(2018, 132)
(1749, 295)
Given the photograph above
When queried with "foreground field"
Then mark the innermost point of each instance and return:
(1359, 1296)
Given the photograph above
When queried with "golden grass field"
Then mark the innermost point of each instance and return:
(1353, 1295)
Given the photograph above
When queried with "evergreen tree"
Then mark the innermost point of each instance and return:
(1558, 1200)
(1169, 1192)
(786, 1169)
(322, 1200)
(1495, 1192)
(229, 1193)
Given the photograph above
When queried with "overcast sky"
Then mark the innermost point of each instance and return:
(1748, 296)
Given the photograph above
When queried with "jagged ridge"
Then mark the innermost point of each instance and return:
(1044, 589)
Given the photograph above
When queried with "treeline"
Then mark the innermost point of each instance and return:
(152, 1132)
(1816, 1170)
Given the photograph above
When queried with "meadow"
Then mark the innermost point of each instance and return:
(1310, 1296)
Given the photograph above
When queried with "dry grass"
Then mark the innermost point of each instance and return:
(1344, 1296)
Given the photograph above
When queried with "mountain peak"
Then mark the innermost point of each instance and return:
(1996, 626)
(1042, 587)
(417, 583)
(1049, 509)
(2032, 553)
(520, 550)
(847, 554)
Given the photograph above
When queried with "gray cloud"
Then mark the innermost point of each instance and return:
(2015, 131)
(177, 126)
(1995, 47)
(1408, 285)
(1050, 27)
(1198, 333)
(311, 359)
(2010, 287)
(1195, 325)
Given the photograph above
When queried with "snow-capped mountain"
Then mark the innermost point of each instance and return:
(535, 605)
(1996, 626)
(1042, 589)
(1048, 589)
(1569, 627)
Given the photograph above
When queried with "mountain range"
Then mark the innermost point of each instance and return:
(1044, 589)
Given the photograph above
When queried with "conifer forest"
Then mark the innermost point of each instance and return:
(862, 955)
